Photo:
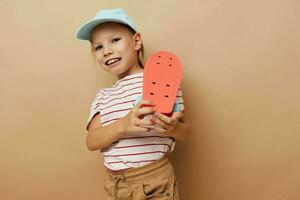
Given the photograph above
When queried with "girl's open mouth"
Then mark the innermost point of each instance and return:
(113, 62)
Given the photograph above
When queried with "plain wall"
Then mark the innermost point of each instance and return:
(240, 86)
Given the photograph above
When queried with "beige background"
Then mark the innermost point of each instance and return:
(241, 90)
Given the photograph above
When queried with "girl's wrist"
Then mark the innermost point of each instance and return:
(177, 131)
(121, 128)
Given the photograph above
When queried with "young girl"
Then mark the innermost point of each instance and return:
(135, 149)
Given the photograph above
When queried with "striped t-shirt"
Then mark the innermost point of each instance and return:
(131, 151)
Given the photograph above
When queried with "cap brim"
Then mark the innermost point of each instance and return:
(84, 30)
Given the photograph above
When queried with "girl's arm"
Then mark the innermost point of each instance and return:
(99, 137)
(183, 129)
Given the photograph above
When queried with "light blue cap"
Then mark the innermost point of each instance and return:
(105, 15)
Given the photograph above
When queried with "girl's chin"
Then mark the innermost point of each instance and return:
(112, 69)
(118, 70)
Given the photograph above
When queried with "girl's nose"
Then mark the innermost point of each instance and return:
(108, 50)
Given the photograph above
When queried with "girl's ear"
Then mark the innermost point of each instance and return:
(137, 41)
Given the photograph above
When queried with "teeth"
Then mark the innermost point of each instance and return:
(112, 60)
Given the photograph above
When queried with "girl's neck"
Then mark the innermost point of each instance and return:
(130, 71)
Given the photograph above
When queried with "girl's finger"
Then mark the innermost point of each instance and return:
(143, 122)
(177, 115)
(145, 111)
(160, 123)
(160, 130)
(140, 129)
(144, 103)
(163, 117)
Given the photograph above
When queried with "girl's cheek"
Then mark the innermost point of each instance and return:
(99, 57)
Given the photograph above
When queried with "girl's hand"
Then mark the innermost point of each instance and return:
(167, 125)
(133, 121)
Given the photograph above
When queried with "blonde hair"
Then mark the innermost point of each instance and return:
(139, 53)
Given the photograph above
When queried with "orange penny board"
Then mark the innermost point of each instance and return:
(162, 77)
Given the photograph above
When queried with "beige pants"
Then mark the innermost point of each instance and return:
(153, 181)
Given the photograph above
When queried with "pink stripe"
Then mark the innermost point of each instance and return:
(124, 138)
(118, 98)
(125, 80)
(115, 111)
(111, 95)
(134, 154)
(140, 145)
(114, 104)
(113, 90)
(111, 120)
(144, 137)
(169, 147)
(125, 162)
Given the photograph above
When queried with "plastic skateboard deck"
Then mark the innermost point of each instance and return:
(162, 77)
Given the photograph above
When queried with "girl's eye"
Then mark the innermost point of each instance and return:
(116, 40)
(98, 47)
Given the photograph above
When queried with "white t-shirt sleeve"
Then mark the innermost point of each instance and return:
(94, 109)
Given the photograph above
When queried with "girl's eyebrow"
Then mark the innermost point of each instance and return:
(96, 43)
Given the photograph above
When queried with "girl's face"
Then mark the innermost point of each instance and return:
(116, 49)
